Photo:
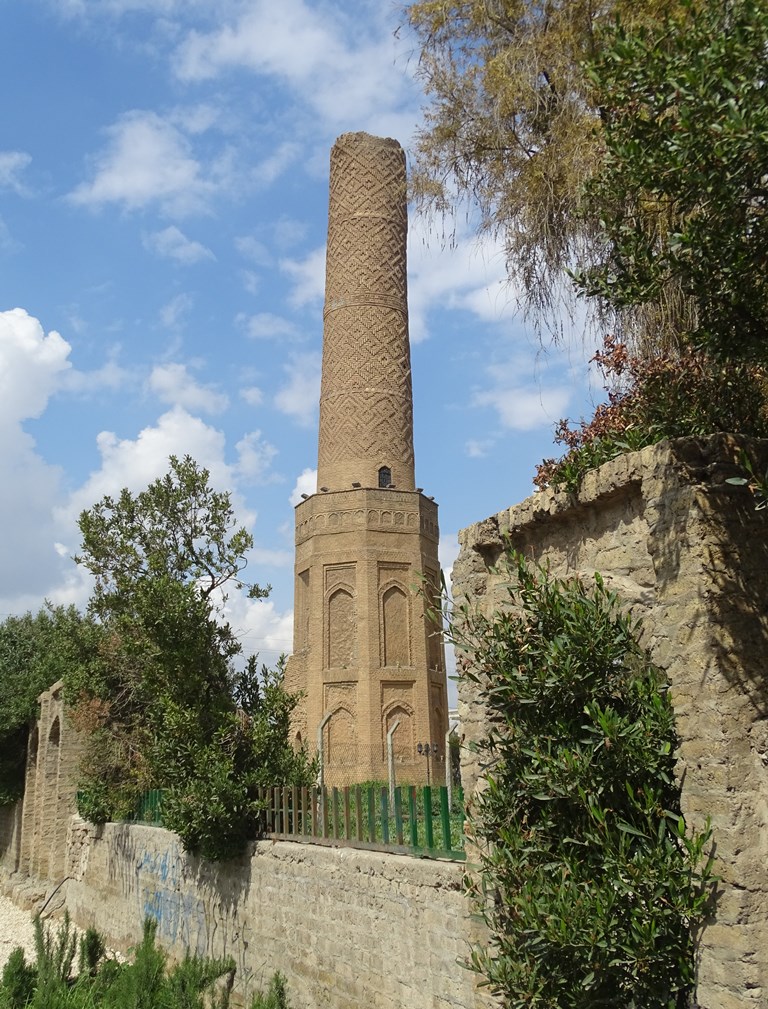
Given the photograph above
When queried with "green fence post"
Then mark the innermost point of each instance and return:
(371, 815)
(413, 824)
(445, 818)
(359, 812)
(426, 797)
(399, 815)
(385, 815)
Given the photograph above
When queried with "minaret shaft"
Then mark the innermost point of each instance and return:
(366, 405)
(368, 659)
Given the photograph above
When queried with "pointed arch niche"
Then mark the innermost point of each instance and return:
(340, 628)
(395, 617)
(403, 741)
(341, 739)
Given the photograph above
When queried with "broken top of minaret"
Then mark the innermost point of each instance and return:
(366, 406)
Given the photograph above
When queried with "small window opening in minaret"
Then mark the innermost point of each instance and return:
(385, 476)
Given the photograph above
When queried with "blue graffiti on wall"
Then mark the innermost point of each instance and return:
(180, 916)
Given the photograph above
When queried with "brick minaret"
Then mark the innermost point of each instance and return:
(365, 652)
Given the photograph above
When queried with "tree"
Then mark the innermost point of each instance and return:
(35, 652)
(515, 127)
(162, 709)
(682, 192)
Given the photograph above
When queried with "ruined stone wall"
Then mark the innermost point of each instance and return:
(348, 928)
(10, 836)
(689, 553)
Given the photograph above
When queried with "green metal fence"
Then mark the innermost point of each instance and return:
(418, 821)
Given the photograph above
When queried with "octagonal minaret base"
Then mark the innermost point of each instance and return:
(367, 652)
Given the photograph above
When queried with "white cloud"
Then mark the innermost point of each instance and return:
(315, 51)
(274, 165)
(147, 160)
(31, 366)
(308, 276)
(254, 250)
(478, 448)
(255, 455)
(252, 395)
(12, 164)
(111, 376)
(261, 627)
(266, 326)
(173, 384)
(136, 463)
(300, 396)
(306, 483)
(465, 273)
(172, 314)
(522, 408)
(172, 243)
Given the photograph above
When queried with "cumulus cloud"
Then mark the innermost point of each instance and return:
(136, 463)
(147, 160)
(172, 243)
(306, 483)
(300, 395)
(172, 383)
(33, 367)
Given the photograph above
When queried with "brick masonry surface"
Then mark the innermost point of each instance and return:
(347, 927)
(689, 553)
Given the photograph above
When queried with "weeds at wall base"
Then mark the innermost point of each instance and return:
(149, 982)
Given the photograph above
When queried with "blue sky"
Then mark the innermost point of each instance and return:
(163, 206)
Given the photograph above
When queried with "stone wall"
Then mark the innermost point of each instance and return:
(10, 836)
(348, 928)
(689, 553)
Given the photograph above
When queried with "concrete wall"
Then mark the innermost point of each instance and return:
(348, 928)
(689, 553)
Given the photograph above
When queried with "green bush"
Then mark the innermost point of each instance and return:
(590, 884)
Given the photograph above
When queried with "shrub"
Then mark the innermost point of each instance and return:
(670, 396)
(587, 879)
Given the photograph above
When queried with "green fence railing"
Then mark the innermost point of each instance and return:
(418, 821)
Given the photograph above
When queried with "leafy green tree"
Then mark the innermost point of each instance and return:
(167, 708)
(514, 126)
(682, 191)
(591, 887)
(35, 652)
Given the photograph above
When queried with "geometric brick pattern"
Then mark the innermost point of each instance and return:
(366, 402)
